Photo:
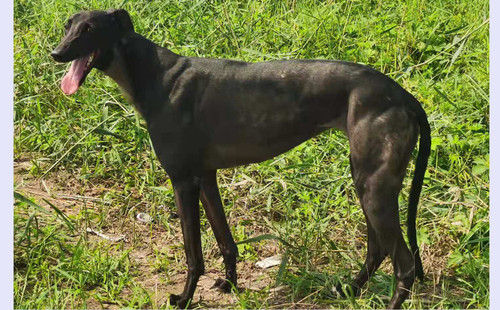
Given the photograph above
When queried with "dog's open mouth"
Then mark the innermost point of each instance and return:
(77, 73)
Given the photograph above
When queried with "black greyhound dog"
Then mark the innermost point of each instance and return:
(207, 114)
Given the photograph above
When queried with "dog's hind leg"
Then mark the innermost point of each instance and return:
(380, 206)
(381, 147)
(374, 257)
(214, 209)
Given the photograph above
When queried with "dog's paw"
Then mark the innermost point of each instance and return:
(344, 291)
(179, 301)
(337, 290)
(223, 285)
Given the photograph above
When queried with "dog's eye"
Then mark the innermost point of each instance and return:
(87, 28)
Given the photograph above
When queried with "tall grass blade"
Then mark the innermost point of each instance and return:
(25, 200)
(264, 237)
(62, 215)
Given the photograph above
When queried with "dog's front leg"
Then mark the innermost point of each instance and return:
(187, 193)
(214, 209)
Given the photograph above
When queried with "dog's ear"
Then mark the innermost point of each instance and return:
(123, 20)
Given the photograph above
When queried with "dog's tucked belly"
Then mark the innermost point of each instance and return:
(225, 156)
(259, 145)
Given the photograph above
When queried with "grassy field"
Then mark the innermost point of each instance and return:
(84, 164)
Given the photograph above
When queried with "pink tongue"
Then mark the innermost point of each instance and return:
(71, 81)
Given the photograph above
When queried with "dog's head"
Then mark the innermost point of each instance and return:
(88, 43)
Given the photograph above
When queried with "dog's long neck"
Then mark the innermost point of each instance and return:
(141, 69)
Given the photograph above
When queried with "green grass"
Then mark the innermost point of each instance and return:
(78, 175)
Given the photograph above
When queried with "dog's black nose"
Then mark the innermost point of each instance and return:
(56, 54)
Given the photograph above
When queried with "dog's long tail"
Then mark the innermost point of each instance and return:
(416, 186)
